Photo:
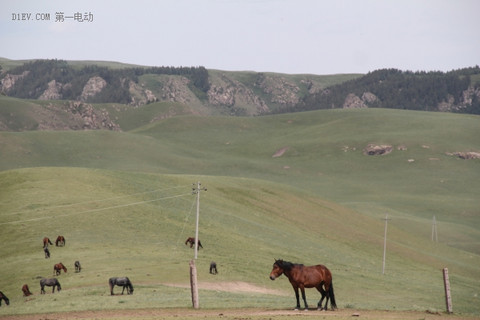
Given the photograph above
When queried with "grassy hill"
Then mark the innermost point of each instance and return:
(123, 201)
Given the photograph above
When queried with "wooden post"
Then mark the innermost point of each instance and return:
(193, 284)
(448, 297)
(385, 244)
(434, 230)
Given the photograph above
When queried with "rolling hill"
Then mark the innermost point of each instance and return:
(296, 186)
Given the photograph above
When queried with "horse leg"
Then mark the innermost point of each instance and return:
(297, 297)
(323, 293)
(124, 286)
(304, 297)
(328, 290)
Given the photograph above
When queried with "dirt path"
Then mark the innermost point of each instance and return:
(240, 314)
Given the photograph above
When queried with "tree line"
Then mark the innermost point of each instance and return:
(41, 72)
(401, 90)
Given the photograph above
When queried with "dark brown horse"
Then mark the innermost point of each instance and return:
(57, 269)
(26, 290)
(46, 242)
(122, 282)
(213, 267)
(60, 242)
(52, 282)
(302, 277)
(78, 266)
(191, 240)
(4, 298)
(47, 252)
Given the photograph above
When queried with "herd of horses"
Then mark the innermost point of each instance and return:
(299, 275)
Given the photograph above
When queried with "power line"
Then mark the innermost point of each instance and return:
(99, 200)
(96, 210)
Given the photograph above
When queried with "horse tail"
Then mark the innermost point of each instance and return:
(333, 303)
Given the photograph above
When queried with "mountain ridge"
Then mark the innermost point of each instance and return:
(235, 93)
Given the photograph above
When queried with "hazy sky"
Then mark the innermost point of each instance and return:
(286, 36)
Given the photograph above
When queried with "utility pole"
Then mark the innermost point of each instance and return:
(385, 243)
(196, 191)
(193, 268)
(434, 230)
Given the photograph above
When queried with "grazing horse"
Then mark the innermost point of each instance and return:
(4, 297)
(121, 282)
(26, 290)
(191, 240)
(47, 252)
(46, 242)
(60, 242)
(302, 277)
(57, 269)
(52, 282)
(213, 267)
(78, 267)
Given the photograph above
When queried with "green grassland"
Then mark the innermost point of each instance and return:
(123, 201)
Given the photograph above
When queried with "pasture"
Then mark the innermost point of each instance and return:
(123, 202)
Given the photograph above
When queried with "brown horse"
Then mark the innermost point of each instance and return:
(46, 242)
(57, 269)
(60, 242)
(191, 240)
(302, 277)
(26, 290)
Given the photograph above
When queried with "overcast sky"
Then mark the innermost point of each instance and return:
(286, 36)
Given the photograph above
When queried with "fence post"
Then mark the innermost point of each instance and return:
(448, 297)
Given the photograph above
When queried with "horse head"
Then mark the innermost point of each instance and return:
(277, 269)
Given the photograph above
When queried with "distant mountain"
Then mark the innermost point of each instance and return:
(239, 93)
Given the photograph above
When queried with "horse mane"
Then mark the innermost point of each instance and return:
(286, 265)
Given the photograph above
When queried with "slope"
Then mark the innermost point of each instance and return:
(124, 223)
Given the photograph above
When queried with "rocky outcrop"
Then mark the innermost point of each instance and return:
(467, 155)
(141, 95)
(176, 89)
(227, 92)
(353, 101)
(7, 83)
(90, 117)
(52, 92)
(93, 86)
(374, 150)
(280, 90)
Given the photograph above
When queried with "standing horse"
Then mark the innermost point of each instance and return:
(26, 290)
(52, 282)
(213, 267)
(78, 267)
(46, 242)
(47, 252)
(121, 282)
(191, 240)
(4, 297)
(302, 277)
(60, 242)
(57, 269)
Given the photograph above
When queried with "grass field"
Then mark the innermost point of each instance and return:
(123, 201)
